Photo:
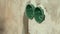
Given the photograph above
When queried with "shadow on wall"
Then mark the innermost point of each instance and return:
(2, 27)
(25, 24)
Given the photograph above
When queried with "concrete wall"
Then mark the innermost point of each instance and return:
(11, 16)
(51, 25)
(13, 21)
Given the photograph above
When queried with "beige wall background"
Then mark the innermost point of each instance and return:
(11, 15)
(51, 25)
(12, 12)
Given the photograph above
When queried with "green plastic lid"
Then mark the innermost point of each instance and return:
(39, 14)
(30, 11)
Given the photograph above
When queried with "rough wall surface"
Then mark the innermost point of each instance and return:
(51, 25)
(11, 16)
(12, 11)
